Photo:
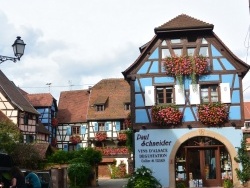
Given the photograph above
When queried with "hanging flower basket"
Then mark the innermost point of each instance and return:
(212, 113)
(122, 136)
(180, 66)
(100, 136)
(127, 121)
(75, 139)
(54, 142)
(166, 115)
(54, 122)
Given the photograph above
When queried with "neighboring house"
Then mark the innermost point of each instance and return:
(46, 105)
(187, 66)
(72, 117)
(95, 118)
(18, 109)
(246, 128)
(109, 106)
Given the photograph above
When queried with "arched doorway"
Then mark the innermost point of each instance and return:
(203, 159)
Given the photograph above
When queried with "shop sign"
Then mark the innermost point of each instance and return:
(152, 149)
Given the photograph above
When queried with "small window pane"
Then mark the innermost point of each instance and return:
(164, 43)
(204, 51)
(175, 41)
(165, 53)
(178, 52)
(204, 41)
(190, 51)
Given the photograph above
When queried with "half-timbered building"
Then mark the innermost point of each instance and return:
(18, 109)
(109, 106)
(72, 130)
(46, 105)
(187, 105)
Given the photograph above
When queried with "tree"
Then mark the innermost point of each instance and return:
(9, 135)
(243, 174)
(25, 155)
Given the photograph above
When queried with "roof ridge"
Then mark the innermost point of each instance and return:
(183, 22)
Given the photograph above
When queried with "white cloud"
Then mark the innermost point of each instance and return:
(81, 42)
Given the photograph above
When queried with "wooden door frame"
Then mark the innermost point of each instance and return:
(210, 182)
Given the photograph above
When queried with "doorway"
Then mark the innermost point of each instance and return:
(204, 160)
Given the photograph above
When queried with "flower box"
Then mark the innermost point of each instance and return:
(180, 66)
(212, 113)
(75, 139)
(110, 151)
(166, 115)
(122, 136)
(100, 136)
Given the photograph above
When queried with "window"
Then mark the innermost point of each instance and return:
(209, 93)
(126, 106)
(164, 94)
(101, 126)
(75, 129)
(99, 108)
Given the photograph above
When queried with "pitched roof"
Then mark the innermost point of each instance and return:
(247, 111)
(180, 26)
(183, 22)
(117, 92)
(41, 99)
(3, 117)
(72, 107)
(43, 149)
(12, 92)
(42, 129)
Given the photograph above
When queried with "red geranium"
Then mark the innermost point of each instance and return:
(54, 122)
(166, 115)
(185, 65)
(212, 113)
(75, 139)
(100, 136)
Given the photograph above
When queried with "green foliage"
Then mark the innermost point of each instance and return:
(87, 155)
(61, 157)
(79, 174)
(9, 136)
(228, 184)
(25, 156)
(129, 141)
(243, 158)
(180, 185)
(118, 171)
(143, 177)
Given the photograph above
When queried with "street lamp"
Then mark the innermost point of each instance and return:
(18, 48)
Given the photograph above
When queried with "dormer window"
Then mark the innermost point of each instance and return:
(126, 106)
(99, 107)
(100, 103)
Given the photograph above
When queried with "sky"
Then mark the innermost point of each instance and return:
(71, 45)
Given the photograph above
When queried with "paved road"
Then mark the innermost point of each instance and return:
(112, 183)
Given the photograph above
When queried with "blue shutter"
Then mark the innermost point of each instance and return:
(83, 129)
(96, 127)
(106, 126)
(65, 147)
(118, 126)
(68, 131)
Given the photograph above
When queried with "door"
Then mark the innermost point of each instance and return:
(203, 164)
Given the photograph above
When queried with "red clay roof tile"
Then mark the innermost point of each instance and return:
(72, 107)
